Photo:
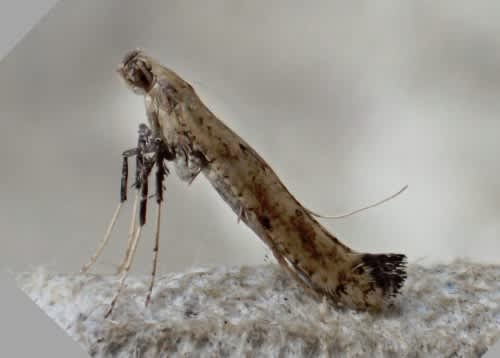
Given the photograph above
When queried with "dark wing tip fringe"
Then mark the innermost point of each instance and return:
(388, 271)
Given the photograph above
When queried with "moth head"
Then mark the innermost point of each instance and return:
(136, 70)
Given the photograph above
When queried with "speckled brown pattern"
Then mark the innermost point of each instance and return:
(255, 193)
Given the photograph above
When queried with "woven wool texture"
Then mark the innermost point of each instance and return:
(445, 310)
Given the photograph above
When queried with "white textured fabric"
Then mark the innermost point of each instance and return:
(445, 310)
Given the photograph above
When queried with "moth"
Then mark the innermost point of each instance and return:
(183, 131)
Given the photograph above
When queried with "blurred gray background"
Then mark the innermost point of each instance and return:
(348, 101)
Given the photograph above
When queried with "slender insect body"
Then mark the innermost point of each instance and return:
(201, 143)
(257, 196)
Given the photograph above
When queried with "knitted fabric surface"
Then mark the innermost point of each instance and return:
(444, 310)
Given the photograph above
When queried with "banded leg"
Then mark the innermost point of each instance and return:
(142, 144)
(146, 170)
(144, 134)
(161, 172)
(123, 198)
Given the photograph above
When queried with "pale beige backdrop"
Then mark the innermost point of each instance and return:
(348, 101)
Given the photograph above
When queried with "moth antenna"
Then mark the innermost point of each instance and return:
(342, 216)
(123, 198)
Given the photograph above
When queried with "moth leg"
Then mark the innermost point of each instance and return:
(123, 198)
(128, 263)
(156, 146)
(142, 148)
(161, 173)
(146, 170)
